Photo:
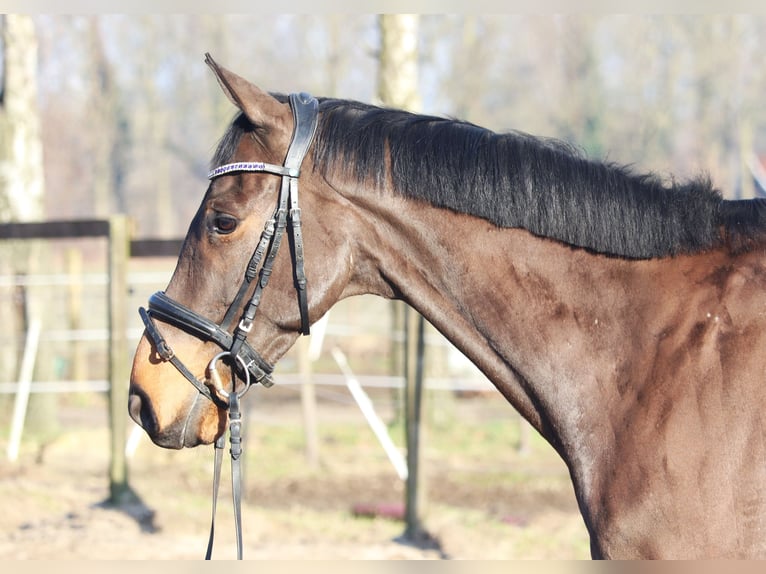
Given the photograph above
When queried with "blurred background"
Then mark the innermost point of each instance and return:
(128, 97)
(117, 114)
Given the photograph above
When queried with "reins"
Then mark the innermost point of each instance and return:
(235, 438)
(244, 361)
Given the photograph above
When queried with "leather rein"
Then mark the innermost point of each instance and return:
(245, 362)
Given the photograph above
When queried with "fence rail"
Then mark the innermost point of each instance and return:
(62, 229)
(84, 228)
(120, 247)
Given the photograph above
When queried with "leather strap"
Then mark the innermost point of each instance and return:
(304, 108)
(304, 114)
(250, 272)
(167, 354)
(219, 444)
(251, 166)
(235, 437)
(169, 311)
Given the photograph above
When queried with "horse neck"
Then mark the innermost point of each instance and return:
(540, 319)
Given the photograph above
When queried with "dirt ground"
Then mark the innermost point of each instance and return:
(51, 501)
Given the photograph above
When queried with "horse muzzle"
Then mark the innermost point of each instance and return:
(171, 412)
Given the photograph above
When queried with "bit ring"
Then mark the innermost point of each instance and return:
(215, 378)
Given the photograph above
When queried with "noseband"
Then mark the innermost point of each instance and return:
(245, 362)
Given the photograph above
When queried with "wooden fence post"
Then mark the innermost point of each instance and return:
(413, 393)
(119, 253)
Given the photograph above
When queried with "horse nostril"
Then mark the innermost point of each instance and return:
(140, 412)
(134, 408)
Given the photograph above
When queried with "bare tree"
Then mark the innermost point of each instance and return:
(21, 195)
(398, 87)
(21, 176)
(398, 71)
(109, 142)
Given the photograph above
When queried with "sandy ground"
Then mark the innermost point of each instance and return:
(51, 509)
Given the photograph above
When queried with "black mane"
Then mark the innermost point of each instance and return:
(517, 180)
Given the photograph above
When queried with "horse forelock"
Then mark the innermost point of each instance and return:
(517, 180)
(229, 142)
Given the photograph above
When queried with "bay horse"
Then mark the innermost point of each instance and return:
(622, 314)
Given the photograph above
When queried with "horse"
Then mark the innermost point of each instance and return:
(622, 314)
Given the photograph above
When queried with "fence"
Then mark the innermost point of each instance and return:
(120, 248)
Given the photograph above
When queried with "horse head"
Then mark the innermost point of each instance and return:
(217, 300)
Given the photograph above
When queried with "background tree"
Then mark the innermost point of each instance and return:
(398, 87)
(675, 93)
(21, 199)
(110, 141)
(21, 161)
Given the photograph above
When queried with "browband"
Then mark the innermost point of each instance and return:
(254, 166)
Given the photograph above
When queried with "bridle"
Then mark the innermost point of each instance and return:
(245, 362)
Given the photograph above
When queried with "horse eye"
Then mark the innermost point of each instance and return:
(224, 224)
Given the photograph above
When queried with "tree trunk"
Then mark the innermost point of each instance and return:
(398, 87)
(398, 70)
(21, 199)
(21, 152)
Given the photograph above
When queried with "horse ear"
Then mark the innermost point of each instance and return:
(260, 107)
